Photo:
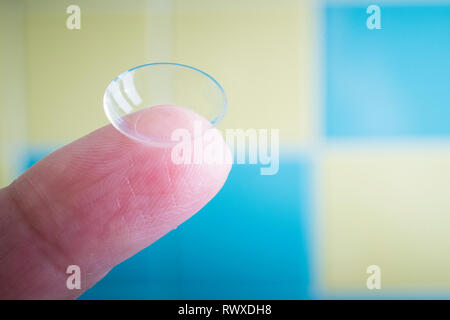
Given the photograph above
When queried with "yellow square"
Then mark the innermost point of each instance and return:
(67, 71)
(388, 207)
(260, 51)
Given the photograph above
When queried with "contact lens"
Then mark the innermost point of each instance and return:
(143, 101)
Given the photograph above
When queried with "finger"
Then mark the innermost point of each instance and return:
(96, 202)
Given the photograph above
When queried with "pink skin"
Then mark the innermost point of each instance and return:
(95, 203)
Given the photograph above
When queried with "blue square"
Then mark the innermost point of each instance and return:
(249, 242)
(392, 82)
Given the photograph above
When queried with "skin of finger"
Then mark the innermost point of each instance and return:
(94, 203)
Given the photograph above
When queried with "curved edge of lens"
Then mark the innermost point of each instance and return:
(115, 121)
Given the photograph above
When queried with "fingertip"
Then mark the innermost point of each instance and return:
(104, 197)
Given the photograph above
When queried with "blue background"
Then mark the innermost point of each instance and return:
(389, 82)
(249, 242)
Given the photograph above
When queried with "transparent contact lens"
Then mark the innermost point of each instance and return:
(148, 102)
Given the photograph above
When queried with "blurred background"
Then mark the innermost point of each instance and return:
(363, 115)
